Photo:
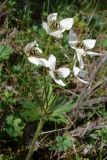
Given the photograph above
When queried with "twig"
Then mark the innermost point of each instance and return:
(55, 130)
(94, 101)
(70, 92)
(82, 131)
(95, 87)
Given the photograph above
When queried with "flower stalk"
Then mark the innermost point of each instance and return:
(39, 128)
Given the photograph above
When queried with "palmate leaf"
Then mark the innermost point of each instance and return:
(59, 119)
(58, 102)
(65, 108)
(9, 119)
(58, 114)
(5, 52)
(31, 110)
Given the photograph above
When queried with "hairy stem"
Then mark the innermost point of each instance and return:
(39, 128)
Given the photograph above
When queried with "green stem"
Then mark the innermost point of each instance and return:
(48, 46)
(39, 128)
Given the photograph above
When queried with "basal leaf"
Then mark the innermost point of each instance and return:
(30, 110)
(59, 119)
(65, 108)
(9, 119)
(5, 52)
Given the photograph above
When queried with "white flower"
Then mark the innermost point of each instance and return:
(56, 29)
(79, 74)
(82, 48)
(33, 45)
(50, 64)
(57, 74)
(32, 50)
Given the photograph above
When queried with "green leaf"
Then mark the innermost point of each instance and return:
(31, 110)
(16, 122)
(9, 119)
(49, 91)
(14, 126)
(58, 102)
(59, 119)
(104, 43)
(59, 139)
(67, 144)
(60, 148)
(5, 52)
(58, 114)
(65, 108)
(63, 143)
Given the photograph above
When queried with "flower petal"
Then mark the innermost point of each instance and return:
(38, 61)
(58, 81)
(80, 60)
(93, 53)
(30, 46)
(80, 51)
(45, 26)
(63, 72)
(72, 39)
(52, 17)
(57, 34)
(52, 62)
(79, 73)
(35, 60)
(44, 62)
(89, 43)
(83, 81)
(66, 24)
(39, 50)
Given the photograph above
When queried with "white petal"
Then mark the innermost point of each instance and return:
(30, 46)
(93, 53)
(72, 36)
(34, 60)
(44, 62)
(38, 61)
(37, 44)
(39, 50)
(81, 51)
(79, 73)
(89, 43)
(45, 26)
(66, 24)
(52, 17)
(80, 60)
(63, 72)
(57, 34)
(83, 81)
(72, 39)
(52, 62)
(58, 81)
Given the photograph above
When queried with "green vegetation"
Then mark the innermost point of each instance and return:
(39, 118)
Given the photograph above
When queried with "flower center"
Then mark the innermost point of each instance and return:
(57, 74)
(53, 25)
(33, 52)
(81, 48)
(80, 45)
